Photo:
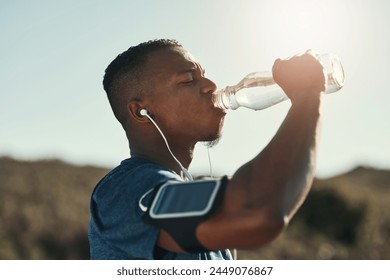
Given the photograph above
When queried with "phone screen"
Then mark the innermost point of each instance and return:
(184, 199)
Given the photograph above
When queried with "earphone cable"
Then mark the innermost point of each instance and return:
(186, 173)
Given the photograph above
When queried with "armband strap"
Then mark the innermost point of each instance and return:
(183, 228)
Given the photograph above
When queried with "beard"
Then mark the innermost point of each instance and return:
(216, 138)
(213, 139)
(212, 143)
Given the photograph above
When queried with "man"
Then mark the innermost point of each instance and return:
(160, 82)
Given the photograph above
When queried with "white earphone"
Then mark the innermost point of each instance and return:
(143, 112)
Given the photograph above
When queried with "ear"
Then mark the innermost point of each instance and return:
(134, 108)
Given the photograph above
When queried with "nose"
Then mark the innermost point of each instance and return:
(208, 86)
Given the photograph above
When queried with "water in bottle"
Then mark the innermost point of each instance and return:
(258, 90)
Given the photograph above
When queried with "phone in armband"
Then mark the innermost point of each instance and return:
(179, 207)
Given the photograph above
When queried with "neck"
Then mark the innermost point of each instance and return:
(155, 150)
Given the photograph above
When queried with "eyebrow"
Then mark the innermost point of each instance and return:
(194, 68)
(187, 70)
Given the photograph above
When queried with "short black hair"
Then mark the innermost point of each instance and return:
(132, 58)
(126, 68)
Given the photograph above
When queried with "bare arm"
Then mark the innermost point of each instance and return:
(264, 194)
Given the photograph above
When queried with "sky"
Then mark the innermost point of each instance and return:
(53, 55)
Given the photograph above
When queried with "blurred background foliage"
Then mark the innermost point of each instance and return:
(44, 214)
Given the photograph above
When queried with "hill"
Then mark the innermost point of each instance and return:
(44, 209)
(44, 214)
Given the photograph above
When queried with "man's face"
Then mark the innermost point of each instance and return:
(181, 101)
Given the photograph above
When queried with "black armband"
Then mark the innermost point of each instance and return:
(179, 207)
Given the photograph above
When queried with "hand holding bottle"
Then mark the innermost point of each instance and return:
(259, 90)
(301, 76)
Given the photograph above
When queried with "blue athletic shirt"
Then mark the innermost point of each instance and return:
(116, 230)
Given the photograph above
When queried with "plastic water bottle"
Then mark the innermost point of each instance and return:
(259, 91)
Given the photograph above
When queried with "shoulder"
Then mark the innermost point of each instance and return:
(133, 176)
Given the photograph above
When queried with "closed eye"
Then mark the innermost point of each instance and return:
(188, 78)
(187, 81)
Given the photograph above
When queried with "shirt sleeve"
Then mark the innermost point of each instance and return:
(125, 234)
